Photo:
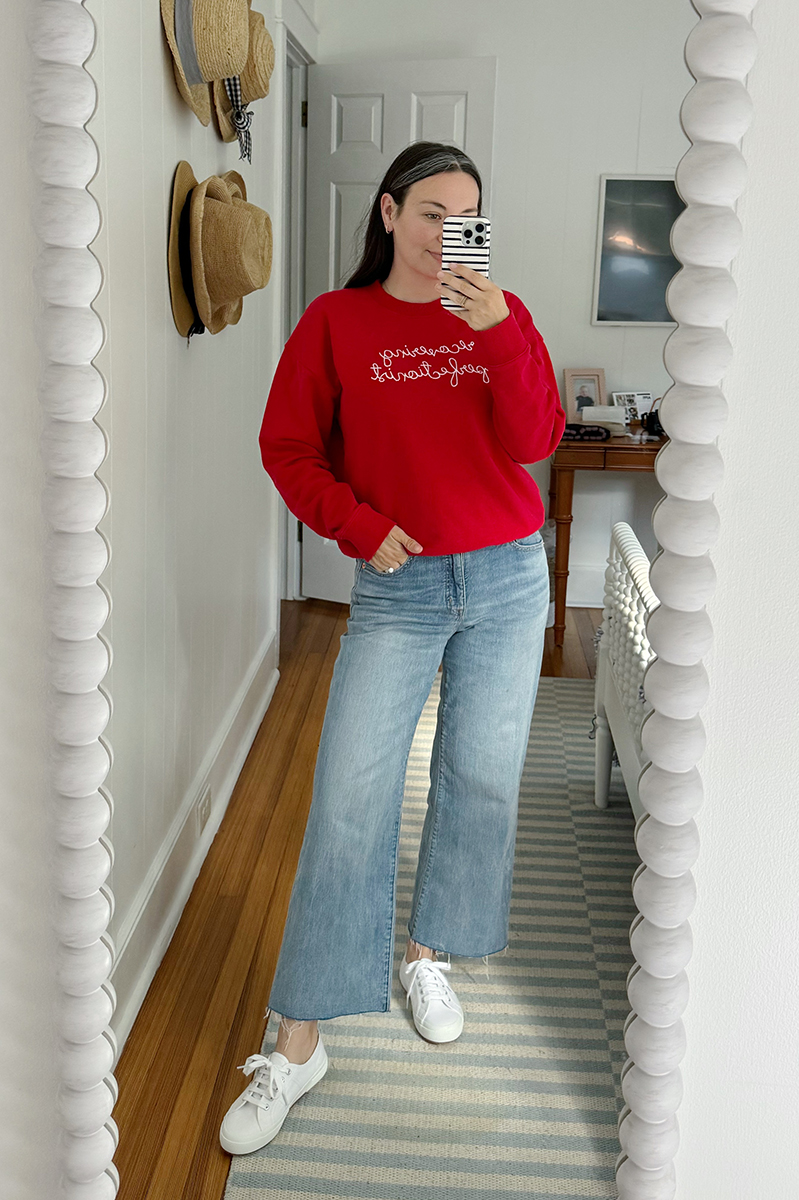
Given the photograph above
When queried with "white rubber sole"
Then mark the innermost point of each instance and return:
(448, 1034)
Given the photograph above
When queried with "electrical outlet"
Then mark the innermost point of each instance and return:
(203, 809)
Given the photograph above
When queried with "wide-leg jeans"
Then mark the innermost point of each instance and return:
(481, 616)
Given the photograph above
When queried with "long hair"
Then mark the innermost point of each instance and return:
(418, 161)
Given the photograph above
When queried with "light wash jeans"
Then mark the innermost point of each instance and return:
(481, 614)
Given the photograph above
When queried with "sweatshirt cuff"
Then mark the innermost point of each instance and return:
(366, 529)
(503, 342)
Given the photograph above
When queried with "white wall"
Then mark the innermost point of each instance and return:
(28, 1044)
(583, 89)
(193, 520)
(741, 1108)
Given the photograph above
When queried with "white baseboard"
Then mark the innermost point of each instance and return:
(585, 587)
(150, 924)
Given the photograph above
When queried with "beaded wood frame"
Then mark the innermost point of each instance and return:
(716, 112)
(68, 278)
(720, 51)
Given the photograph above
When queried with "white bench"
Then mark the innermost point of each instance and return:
(623, 654)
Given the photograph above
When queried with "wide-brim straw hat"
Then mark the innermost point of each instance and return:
(231, 248)
(230, 245)
(182, 310)
(254, 78)
(211, 43)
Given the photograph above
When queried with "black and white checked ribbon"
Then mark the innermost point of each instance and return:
(240, 117)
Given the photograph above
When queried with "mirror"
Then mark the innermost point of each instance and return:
(68, 217)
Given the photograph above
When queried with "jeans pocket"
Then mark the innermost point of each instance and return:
(363, 565)
(529, 542)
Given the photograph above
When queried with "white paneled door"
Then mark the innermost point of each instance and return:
(360, 115)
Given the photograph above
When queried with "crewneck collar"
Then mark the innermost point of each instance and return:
(426, 308)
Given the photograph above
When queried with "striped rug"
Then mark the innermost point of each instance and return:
(525, 1101)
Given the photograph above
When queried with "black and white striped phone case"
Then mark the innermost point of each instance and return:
(465, 240)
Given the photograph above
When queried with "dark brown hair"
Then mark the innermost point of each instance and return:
(418, 161)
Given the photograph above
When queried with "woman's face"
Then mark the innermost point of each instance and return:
(417, 226)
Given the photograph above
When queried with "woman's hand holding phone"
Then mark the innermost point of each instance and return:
(483, 303)
(390, 553)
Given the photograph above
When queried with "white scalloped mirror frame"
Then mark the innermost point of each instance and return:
(720, 51)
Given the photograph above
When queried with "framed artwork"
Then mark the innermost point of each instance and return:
(583, 387)
(634, 262)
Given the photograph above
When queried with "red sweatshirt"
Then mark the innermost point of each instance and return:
(383, 412)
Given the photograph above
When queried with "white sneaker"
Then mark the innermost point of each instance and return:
(437, 1013)
(258, 1114)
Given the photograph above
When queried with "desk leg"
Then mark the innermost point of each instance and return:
(564, 491)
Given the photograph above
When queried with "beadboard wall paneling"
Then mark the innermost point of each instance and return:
(192, 522)
(583, 89)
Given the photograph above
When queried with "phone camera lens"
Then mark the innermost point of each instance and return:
(478, 241)
(467, 233)
(479, 228)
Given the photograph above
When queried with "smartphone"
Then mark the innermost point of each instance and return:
(465, 240)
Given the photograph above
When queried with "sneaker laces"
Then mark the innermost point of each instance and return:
(267, 1083)
(429, 981)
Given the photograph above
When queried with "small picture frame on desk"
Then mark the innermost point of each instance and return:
(583, 388)
(636, 403)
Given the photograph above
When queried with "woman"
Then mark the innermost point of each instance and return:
(400, 429)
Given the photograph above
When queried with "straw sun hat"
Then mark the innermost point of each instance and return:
(209, 40)
(254, 78)
(220, 250)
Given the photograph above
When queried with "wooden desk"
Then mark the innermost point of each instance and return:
(618, 453)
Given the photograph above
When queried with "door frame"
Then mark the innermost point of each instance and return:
(295, 140)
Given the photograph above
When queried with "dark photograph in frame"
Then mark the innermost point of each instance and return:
(634, 262)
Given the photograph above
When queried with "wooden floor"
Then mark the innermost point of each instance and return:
(204, 1012)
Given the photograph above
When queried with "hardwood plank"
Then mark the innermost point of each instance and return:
(210, 1164)
(153, 1064)
(586, 629)
(290, 628)
(182, 1132)
(148, 1061)
(576, 659)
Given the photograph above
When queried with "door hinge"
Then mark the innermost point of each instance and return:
(304, 116)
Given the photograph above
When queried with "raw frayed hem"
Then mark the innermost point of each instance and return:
(328, 1017)
(483, 957)
(486, 957)
(284, 1021)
